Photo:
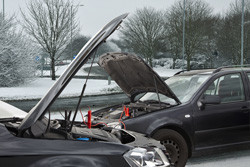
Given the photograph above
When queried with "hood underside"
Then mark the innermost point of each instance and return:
(133, 75)
(82, 57)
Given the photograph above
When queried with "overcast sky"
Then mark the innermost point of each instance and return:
(96, 13)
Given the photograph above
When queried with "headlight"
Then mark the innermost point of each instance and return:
(149, 157)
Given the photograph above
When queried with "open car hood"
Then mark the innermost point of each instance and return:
(89, 48)
(9, 111)
(133, 75)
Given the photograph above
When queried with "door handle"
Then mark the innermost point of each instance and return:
(245, 109)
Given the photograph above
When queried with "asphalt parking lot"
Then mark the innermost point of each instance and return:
(226, 159)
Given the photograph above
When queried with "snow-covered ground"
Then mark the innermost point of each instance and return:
(39, 87)
(60, 69)
(228, 159)
(162, 71)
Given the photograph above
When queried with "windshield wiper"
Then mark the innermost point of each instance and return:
(159, 100)
(154, 102)
(13, 119)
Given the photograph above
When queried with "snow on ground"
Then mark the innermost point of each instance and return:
(164, 72)
(39, 87)
(228, 159)
(61, 69)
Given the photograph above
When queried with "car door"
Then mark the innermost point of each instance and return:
(227, 122)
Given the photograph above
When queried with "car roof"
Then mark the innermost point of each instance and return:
(196, 72)
(211, 71)
(232, 69)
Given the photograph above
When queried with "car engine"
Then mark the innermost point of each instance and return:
(127, 111)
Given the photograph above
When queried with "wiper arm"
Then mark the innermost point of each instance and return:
(159, 100)
(13, 119)
(155, 102)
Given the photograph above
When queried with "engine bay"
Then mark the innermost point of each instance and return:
(102, 125)
(127, 111)
(59, 129)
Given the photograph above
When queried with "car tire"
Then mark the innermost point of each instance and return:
(175, 144)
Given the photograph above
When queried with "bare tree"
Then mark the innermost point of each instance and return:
(77, 43)
(51, 23)
(121, 45)
(200, 24)
(173, 35)
(17, 54)
(229, 37)
(144, 33)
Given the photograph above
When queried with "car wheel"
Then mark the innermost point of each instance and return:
(175, 144)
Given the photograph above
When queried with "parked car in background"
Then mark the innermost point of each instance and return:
(189, 112)
(37, 140)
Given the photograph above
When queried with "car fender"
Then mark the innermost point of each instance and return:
(173, 124)
(162, 122)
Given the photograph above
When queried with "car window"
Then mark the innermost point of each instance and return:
(228, 87)
(183, 86)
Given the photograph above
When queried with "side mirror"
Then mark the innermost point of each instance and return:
(208, 99)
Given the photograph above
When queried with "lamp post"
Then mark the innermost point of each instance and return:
(183, 33)
(3, 8)
(71, 20)
(242, 33)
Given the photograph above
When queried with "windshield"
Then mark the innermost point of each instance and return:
(183, 86)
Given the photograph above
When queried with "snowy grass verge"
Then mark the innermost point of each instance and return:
(39, 87)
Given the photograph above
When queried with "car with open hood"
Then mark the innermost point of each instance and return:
(34, 139)
(191, 112)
